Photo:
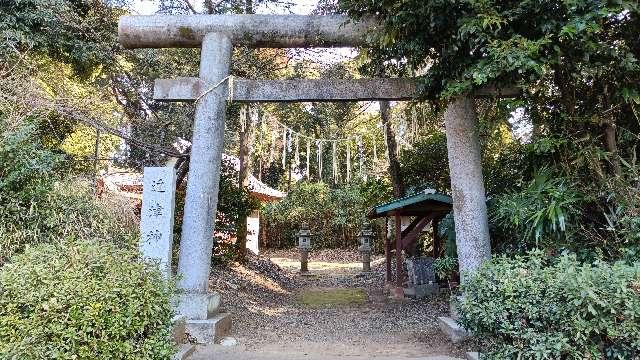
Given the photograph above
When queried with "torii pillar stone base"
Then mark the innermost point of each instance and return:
(467, 186)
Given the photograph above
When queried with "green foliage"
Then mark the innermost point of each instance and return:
(482, 42)
(26, 165)
(83, 300)
(533, 307)
(234, 202)
(622, 216)
(335, 216)
(447, 231)
(38, 204)
(75, 32)
(544, 211)
(445, 267)
(427, 163)
(595, 214)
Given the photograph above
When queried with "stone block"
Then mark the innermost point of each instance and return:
(179, 325)
(184, 352)
(420, 271)
(229, 341)
(472, 355)
(199, 306)
(454, 331)
(421, 291)
(210, 330)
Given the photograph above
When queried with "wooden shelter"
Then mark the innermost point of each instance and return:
(425, 207)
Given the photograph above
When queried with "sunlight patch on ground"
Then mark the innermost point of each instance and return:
(315, 265)
(294, 265)
(323, 298)
(268, 310)
(259, 280)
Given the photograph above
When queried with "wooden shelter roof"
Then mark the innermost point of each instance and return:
(423, 203)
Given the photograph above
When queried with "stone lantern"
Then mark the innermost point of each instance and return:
(366, 240)
(304, 244)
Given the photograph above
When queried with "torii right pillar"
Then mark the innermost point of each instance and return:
(467, 185)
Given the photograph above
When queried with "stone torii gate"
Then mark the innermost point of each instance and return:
(216, 35)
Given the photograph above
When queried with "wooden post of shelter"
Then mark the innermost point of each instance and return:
(436, 238)
(387, 250)
(398, 234)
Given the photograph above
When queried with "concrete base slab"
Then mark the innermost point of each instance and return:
(472, 355)
(454, 331)
(210, 330)
(422, 291)
(184, 352)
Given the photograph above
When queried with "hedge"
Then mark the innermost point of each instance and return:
(534, 307)
(83, 300)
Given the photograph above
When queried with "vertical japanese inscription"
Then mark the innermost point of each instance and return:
(156, 218)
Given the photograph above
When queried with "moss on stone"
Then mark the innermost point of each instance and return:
(186, 33)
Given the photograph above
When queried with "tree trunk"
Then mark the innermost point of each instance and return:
(612, 146)
(243, 156)
(243, 181)
(182, 167)
(394, 164)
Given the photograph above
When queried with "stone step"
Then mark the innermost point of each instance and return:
(454, 331)
(219, 352)
(184, 352)
(210, 330)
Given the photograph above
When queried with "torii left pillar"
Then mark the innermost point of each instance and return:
(216, 35)
(201, 202)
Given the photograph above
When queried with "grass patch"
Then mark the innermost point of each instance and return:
(323, 298)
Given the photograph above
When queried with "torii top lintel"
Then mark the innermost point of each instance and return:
(266, 31)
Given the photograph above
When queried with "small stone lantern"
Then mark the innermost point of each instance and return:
(304, 244)
(366, 240)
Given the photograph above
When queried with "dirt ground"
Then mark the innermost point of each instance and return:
(336, 311)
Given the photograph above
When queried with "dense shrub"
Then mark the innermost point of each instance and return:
(534, 307)
(66, 209)
(544, 213)
(335, 216)
(38, 204)
(83, 300)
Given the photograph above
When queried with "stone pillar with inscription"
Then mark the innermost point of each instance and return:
(156, 218)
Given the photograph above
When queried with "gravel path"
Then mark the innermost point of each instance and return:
(264, 299)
